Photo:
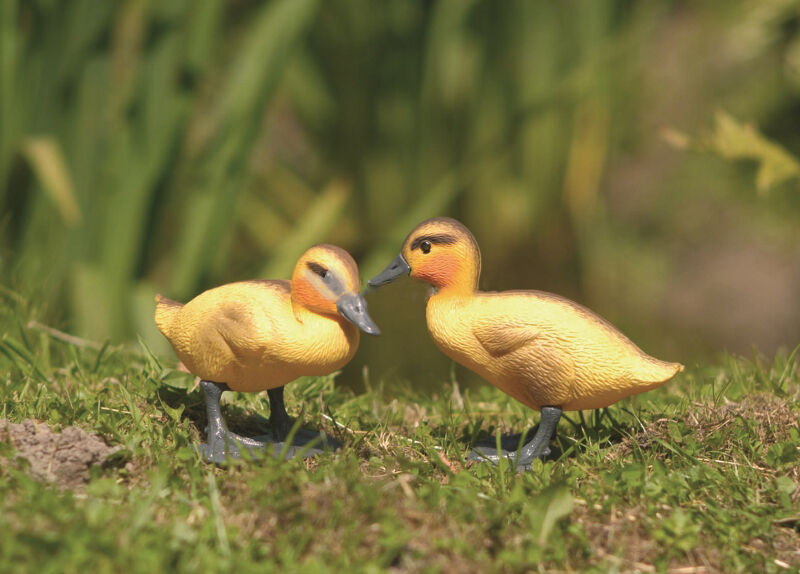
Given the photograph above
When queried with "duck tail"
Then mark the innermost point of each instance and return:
(659, 372)
(166, 310)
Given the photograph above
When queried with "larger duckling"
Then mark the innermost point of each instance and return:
(546, 351)
(259, 335)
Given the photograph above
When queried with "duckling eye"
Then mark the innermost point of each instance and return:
(425, 246)
(318, 269)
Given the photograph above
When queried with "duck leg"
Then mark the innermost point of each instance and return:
(279, 420)
(537, 447)
(218, 445)
(223, 444)
(281, 425)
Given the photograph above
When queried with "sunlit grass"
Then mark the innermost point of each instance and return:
(701, 473)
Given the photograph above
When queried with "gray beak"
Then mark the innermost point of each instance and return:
(399, 266)
(353, 307)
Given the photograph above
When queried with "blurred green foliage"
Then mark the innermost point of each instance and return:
(170, 146)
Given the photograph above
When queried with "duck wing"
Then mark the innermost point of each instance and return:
(531, 366)
(250, 317)
(229, 324)
(501, 336)
(504, 336)
(562, 353)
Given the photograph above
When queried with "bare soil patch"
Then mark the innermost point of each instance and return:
(773, 418)
(63, 458)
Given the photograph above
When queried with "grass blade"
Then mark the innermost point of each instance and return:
(254, 76)
(320, 217)
(8, 72)
(48, 164)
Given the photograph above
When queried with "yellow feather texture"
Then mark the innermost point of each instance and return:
(542, 349)
(250, 336)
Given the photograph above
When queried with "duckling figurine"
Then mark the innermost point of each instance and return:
(546, 351)
(260, 335)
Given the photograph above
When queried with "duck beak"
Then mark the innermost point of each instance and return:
(399, 266)
(353, 307)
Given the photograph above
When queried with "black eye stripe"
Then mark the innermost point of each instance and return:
(438, 239)
(317, 268)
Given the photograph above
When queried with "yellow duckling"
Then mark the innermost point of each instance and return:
(259, 335)
(546, 351)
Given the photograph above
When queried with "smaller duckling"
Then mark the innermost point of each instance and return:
(546, 351)
(260, 335)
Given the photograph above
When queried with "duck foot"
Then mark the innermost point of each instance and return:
(223, 444)
(230, 446)
(538, 447)
(486, 451)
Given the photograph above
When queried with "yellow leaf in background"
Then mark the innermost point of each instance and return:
(47, 163)
(320, 217)
(733, 140)
(676, 139)
(586, 161)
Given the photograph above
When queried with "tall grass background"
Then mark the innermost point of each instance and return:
(636, 156)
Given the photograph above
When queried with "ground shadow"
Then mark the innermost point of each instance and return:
(582, 436)
(239, 420)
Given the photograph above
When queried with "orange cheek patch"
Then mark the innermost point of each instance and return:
(305, 293)
(440, 270)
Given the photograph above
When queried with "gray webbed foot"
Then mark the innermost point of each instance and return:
(300, 444)
(538, 447)
(230, 446)
(219, 449)
(487, 453)
(223, 444)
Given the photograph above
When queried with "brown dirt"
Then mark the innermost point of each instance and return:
(419, 553)
(774, 418)
(63, 458)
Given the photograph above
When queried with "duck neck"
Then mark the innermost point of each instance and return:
(303, 313)
(315, 322)
(455, 290)
(464, 282)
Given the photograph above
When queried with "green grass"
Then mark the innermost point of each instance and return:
(702, 473)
